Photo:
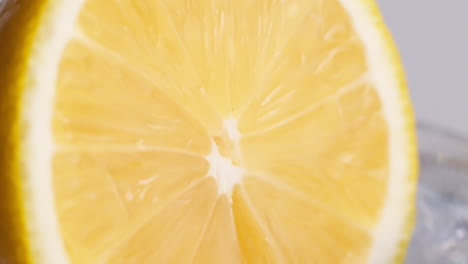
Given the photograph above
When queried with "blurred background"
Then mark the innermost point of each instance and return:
(432, 36)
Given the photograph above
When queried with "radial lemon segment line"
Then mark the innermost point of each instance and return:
(335, 240)
(134, 112)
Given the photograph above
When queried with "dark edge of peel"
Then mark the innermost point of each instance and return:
(18, 25)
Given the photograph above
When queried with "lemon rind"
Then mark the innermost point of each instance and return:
(56, 24)
(393, 231)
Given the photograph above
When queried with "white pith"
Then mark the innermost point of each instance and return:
(389, 230)
(226, 174)
(222, 168)
(57, 26)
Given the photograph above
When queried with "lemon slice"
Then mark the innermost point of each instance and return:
(204, 131)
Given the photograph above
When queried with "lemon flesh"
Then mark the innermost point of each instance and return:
(219, 132)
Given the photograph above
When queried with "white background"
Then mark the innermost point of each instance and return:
(432, 36)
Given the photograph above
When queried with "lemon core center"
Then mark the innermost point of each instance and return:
(225, 159)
